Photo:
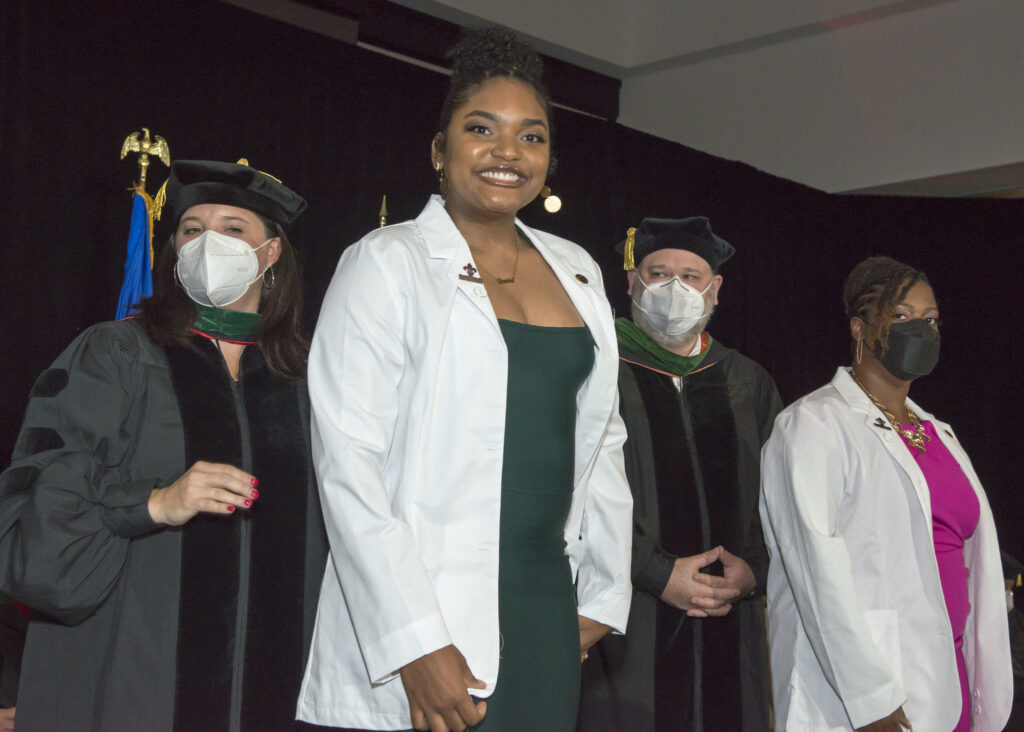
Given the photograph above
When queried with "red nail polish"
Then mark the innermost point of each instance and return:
(253, 482)
(230, 509)
(254, 493)
(247, 503)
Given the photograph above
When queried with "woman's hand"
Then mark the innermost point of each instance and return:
(435, 685)
(895, 722)
(591, 632)
(205, 487)
(7, 720)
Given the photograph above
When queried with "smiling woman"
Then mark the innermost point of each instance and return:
(463, 386)
(494, 153)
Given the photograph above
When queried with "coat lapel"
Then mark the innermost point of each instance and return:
(879, 426)
(581, 282)
(447, 247)
(577, 285)
(452, 256)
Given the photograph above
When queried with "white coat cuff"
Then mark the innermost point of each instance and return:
(610, 608)
(876, 705)
(386, 656)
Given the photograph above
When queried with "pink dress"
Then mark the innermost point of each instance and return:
(955, 512)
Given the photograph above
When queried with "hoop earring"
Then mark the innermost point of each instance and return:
(860, 348)
(268, 286)
(442, 179)
(552, 204)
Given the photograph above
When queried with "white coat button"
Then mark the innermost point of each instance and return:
(977, 693)
(479, 291)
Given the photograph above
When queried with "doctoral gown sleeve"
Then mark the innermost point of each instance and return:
(68, 506)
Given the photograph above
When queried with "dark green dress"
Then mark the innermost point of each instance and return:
(539, 674)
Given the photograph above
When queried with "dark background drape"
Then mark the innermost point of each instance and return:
(343, 126)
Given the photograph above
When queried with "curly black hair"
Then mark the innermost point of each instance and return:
(873, 290)
(489, 53)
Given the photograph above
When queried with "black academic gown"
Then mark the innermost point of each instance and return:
(139, 626)
(693, 463)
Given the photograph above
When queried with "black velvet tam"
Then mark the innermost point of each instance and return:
(692, 234)
(193, 182)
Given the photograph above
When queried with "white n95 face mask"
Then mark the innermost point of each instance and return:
(216, 269)
(672, 307)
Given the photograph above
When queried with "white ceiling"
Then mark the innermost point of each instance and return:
(624, 38)
(915, 96)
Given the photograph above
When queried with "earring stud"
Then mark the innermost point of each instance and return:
(552, 203)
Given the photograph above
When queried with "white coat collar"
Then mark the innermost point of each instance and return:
(859, 401)
(444, 241)
(442, 237)
(581, 280)
(879, 426)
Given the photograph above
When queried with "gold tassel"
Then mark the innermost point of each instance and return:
(245, 162)
(157, 207)
(628, 262)
(149, 220)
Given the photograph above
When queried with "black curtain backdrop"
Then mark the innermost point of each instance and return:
(343, 126)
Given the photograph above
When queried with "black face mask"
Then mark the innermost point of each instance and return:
(913, 349)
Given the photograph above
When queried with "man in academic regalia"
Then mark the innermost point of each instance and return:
(696, 412)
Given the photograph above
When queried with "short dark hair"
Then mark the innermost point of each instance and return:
(873, 290)
(483, 54)
(169, 314)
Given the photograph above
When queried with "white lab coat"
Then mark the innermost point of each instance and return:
(856, 616)
(407, 375)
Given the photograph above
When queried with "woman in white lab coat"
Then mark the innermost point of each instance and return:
(885, 597)
(467, 441)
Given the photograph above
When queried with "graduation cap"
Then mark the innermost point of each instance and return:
(193, 182)
(692, 234)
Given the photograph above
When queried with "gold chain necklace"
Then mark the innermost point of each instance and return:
(916, 437)
(515, 264)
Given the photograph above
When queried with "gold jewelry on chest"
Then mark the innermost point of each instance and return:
(916, 435)
(515, 264)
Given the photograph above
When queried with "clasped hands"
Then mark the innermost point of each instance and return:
(704, 595)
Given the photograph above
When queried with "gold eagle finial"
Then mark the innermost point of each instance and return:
(145, 147)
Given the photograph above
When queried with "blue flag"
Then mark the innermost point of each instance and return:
(138, 265)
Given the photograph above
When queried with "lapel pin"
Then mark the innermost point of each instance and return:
(470, 271)
(583, 279)
(881, 424)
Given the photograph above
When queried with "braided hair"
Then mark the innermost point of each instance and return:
(490, 53)
(873, 290)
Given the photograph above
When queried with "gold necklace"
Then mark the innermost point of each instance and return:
(916, 437)
(515, 264)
